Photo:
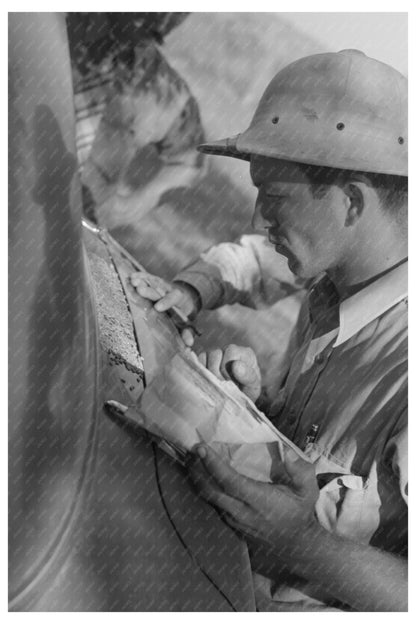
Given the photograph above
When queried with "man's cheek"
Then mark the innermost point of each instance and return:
(304, 259)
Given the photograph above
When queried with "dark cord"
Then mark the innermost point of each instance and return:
(190, 553)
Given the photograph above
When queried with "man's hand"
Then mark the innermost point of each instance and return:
(274, 514)
(238, 364)
(278, 522)
(167, 295)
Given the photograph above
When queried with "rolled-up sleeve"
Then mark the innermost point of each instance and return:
(249, 272)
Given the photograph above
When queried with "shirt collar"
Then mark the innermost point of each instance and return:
(371, 302)
(355, 312)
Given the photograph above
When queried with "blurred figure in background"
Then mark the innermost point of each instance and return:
(137, 121)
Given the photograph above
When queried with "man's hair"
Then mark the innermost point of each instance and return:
(391, 189)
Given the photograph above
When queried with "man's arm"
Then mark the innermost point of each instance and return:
(365, 578)
(360, 576)
(279, 520)
(248, 271)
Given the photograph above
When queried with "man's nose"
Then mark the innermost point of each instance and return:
(259, 222)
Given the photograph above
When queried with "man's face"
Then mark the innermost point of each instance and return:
(309, 231)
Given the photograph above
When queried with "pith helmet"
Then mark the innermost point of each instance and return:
(342, 110)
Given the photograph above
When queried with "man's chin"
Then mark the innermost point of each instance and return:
(292, 262)
(299, 269)
(294, 267)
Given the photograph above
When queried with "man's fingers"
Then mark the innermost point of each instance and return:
(148, 292)
(228, 479)
(234, 508)
(240, 365)
(169, 300)
(247, 378)
(278, 471)
(245, 374)
(233, 354)
(214, 359)
(137, 277)
(188, 337)
(209, 490)
(301, 473)
(156, 289)
(246, 527)
(149, 286)
(146, 278)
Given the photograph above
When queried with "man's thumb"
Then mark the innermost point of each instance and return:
(301, 472)
(244, 374)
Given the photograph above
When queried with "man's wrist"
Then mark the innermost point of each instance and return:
(358, 575)
(302, 551)
(194, 296)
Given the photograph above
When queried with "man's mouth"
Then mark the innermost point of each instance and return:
(276, 239)
(279, 242)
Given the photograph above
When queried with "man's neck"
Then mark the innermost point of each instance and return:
(349, 280)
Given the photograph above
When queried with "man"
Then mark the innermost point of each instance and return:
(327, 151)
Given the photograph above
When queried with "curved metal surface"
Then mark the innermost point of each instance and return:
(176, 551)
(99, 519)
(53, 341)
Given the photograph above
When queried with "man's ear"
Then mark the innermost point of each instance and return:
(356, 201)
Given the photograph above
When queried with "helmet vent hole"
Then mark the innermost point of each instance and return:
(275, 120)
(340, 126)
(401, 140)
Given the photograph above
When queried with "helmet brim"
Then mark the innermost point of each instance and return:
(224, 147)
(306, 146)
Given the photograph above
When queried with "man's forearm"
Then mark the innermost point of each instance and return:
(248, 272)
(363, 577)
